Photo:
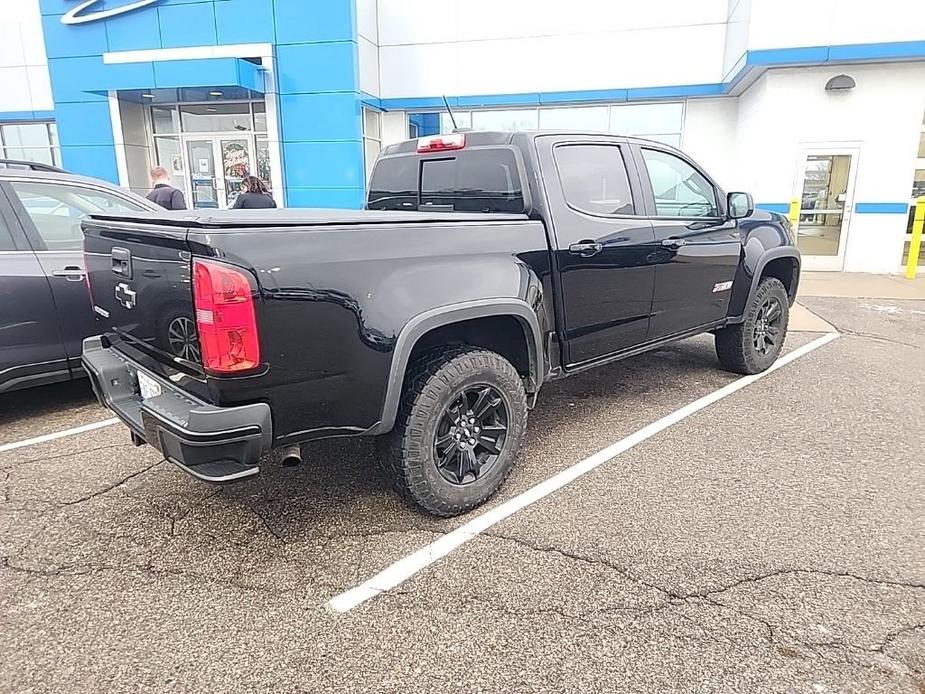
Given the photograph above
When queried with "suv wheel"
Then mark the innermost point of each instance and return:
(462, 416)
(753, 345)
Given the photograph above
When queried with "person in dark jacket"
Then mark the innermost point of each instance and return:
(254, 195)
(163, 193)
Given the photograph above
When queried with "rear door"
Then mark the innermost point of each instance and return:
(31, 349)
(605, 246)
(51, 213)
(698, 247)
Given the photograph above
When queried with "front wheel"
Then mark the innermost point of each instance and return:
(753, 345)
(462, 416)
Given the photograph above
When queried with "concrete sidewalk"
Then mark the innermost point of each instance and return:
(857, 285)
(853, 285)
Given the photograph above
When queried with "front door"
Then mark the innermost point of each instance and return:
(217, 168)
(698, 247)
(604, 248)
(824, 188)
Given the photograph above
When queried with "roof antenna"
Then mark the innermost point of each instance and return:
(450, 112)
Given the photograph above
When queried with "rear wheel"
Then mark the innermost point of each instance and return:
(753, 345)
(461, 420)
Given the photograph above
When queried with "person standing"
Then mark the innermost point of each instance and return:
(163, 193)
(254, 195)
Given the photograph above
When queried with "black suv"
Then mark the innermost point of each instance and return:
(46, 310)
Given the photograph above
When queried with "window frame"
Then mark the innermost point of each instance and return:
(649, 193)
(27, 224)
(632, 176)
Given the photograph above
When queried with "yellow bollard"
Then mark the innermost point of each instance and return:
(918, 222)
(794, 214)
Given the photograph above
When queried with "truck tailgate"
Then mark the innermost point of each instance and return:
(139, 278)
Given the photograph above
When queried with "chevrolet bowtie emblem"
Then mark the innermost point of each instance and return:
(125, 295)
(74, 16)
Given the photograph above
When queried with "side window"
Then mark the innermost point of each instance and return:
(680, 190)
(6, 236)
(594, 179)
(56, 210)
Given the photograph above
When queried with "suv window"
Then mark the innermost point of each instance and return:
(56, 210)
(476, 180)
(680, 190)
(6, 236)
(594, 179)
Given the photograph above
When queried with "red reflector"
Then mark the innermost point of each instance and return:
(436, 143)
(225, 320)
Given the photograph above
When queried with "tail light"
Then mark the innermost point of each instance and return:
(439, 143)
(225, 320)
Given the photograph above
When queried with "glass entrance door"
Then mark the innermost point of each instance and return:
(236, 164)
(825, 188)
(204, 184)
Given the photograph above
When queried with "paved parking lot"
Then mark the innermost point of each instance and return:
(774, 541)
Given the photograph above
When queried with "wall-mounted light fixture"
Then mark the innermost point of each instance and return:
(840, 83)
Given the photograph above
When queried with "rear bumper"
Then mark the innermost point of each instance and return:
(215, 444)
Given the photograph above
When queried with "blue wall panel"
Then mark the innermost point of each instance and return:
(244, 21)
(301, 21)
(187, 25)
(317, 67)
(324, 164)
(133, 32)
(91, 160)
(344, 198)
(311, 117)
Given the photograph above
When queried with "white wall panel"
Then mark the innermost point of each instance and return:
(367, 20)
(369, 66)
(644, 58)
(709, 137)
(24, 82)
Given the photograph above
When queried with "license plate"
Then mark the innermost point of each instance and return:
(147, 386)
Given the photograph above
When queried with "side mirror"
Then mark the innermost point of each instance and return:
(740, 205)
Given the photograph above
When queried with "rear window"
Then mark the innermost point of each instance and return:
(477, 180)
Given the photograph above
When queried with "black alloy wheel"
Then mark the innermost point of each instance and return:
(182, 338)
(767, 333)
(471, 434)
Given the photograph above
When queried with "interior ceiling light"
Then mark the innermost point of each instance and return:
(147, 96)
(215, 93)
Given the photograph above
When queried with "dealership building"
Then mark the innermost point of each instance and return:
(822, 102)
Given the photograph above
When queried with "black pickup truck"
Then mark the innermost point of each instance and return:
(485, 265)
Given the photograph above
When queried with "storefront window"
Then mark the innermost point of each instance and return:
(659, 122)
(372, 138)
(165, 119)
(214, 118)
(30, 142)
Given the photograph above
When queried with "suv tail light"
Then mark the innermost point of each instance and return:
(438, 143)
(224, 301)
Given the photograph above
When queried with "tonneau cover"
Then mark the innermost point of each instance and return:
(237, 219)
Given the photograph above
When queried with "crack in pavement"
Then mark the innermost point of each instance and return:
(100, 492)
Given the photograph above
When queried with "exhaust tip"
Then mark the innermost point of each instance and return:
(290, 456)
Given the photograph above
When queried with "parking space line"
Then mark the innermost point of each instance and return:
(57, 435)
(408, 566)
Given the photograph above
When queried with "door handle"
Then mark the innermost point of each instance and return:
(71, 273)
(585, 249)
(674, 243)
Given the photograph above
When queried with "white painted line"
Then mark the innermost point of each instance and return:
(58, 435)
(406, 567)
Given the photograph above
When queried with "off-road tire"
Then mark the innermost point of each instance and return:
(735, 344)
(432, 384)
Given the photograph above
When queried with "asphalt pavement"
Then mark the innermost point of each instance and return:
(774, 541)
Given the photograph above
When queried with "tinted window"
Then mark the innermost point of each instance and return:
(6, 238)
(57, 209)
(478, 180)
(680, 190)
(594, 179)
(394, 184)
(483, 180)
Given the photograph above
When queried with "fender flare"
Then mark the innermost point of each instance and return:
(423, 323)
(763, 260)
